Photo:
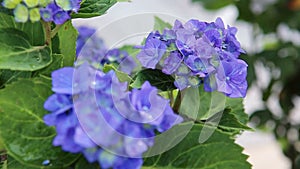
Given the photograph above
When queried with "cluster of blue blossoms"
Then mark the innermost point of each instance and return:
(58, 11)
(95, 114)
(198, 52)
(91, 48)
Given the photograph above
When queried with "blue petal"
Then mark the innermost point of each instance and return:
(62, 80)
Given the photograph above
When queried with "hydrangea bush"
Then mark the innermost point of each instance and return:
(68, 101)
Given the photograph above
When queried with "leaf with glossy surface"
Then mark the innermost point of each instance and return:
(83, 163)
(26, 138)
(200, 105)
(123, 77)
(209, 105)
(8, 76)
(156, 78)
(16, 52)
(92, 8)
(67, 43)
(219, 151)
(230, 123)
(34, 31)
(7, 21)
(57, 63)
(13, 164)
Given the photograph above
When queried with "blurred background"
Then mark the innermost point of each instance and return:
(268, 30)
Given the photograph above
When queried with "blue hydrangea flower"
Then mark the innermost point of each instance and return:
(169, 36)
(172, 63)
(200, 67)
(89, 105)
(231, 78)
(196, 53)
(57, 11)
(152, 52)
(122, 58)
(63, 118)
(91, 48)
(63, 80)
(53, 12)
(88, 46)
(184, 76)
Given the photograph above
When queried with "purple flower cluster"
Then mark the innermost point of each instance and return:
(94, 114)
(59, 11)
(91, 48)
(197, 52)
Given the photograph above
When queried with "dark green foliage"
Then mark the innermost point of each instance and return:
(92, 8)
(156, 78)
(219, 151)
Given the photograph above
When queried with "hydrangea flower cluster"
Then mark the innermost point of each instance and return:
(197, 52)
(59, 11)
(95, 114)
(50, 10)
(91, 48)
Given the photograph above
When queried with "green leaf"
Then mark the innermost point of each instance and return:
(156, 78)
(219, 151)
(34, 31)
(26, 138)
(92, 8)
(16, 52)
(190, 103)
(228, 113)
(161, 25)
(82, 164)
(7, 21)
(209, 105)
(200, 105)
(11, 163)
(214, 4)
(57, 63)
(123, 77)
(230, 123)
(8, 76)
(67, 43)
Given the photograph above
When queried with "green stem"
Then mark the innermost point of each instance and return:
(177, 102)
(55, 30)
(47, 29)
(171, 97)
